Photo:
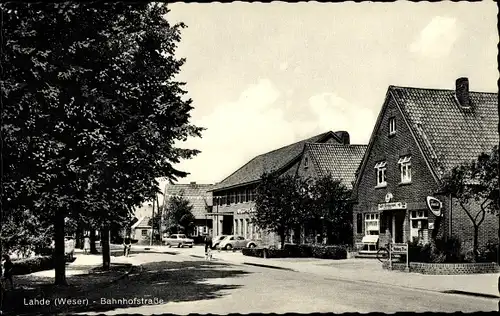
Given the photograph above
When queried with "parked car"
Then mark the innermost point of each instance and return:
(179, 240)
(216, 241)
(237, 242)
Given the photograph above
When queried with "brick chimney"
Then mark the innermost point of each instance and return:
(193, 183)
(344, 136)
(462, 92)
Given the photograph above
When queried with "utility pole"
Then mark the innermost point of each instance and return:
(160, 213)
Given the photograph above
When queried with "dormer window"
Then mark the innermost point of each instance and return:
(381, 169)
(405, 168)
(392, 126)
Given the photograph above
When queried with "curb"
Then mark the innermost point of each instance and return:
(124, 275)
(459, 292)
(268, 266)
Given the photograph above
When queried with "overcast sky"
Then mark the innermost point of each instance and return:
(262, 76)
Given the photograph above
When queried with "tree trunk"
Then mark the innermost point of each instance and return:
(92, 237)
(475, 245)
(106, 256)
(59, 258)
(282, 235)
(79, 237)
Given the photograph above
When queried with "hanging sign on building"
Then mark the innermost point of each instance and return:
(434, 205)
(392, 206)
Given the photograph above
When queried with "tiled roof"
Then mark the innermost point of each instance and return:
(269, 162)
(448, 133)
(197, 194)
(340, 161)
(143, 222)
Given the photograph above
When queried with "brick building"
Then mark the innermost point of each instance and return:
(419, 136)
(234, 197)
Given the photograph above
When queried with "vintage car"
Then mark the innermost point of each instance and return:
(217, 240)
(179, 240)
(236, 242)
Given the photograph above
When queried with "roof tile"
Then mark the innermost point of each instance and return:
(448, 133)
(340, 161)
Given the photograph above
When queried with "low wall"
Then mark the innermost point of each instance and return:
(445, 268)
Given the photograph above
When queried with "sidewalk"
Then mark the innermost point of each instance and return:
(370, 270)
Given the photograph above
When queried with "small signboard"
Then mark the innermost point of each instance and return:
(399, 248)
(434, 205)
(392, 206)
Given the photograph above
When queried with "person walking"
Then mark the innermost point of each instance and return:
(208, 246)
(7, 267)
(127, 245)
(86, 245)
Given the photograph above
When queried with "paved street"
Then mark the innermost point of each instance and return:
(191, 285)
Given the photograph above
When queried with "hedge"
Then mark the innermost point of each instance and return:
(30, 265)
(300, 251)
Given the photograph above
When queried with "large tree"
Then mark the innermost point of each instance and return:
(475, 186)
(331, 204)
(281, 204)
(91, 111)
(178, 215)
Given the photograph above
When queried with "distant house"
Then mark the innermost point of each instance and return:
(419, 136)
(141, 230)
(234, 197)
(200, 198)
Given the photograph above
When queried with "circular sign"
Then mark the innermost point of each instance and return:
(388, 197)
(434, 205)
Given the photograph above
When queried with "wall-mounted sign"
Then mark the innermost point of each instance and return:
(434, 205)
(388, 197)
(245, 210)
(392, 206)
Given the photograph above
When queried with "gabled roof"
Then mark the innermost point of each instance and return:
(273, 161)
(446, 133)
(142, 223)
(197, 194)
(340, 161)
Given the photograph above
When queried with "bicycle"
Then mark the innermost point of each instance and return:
(383, 253)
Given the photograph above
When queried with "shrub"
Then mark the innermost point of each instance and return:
(489, 252)
(270, 253)
(30, 265)
(298, 251)
(329, 252)
(253, 252)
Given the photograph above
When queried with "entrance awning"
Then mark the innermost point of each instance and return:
(370, 239)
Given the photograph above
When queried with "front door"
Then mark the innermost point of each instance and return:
(227, 225)
(398, 219)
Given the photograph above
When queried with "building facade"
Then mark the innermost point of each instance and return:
(419, 136)
(200, 197)
(234, 197)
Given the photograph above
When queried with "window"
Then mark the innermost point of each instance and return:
(144, 232)
(233, 197)
(252, 194)
(359, 223)
(392, 126)
(247, 195)
(306, 162)
(226, 199)
(241, 238)
(381, 168)
(405, 168)
(237, 196)
(372, 224)
(419, 225)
